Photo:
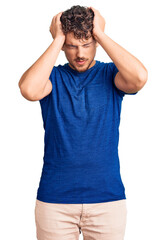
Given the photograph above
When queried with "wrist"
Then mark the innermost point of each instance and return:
(58, 41)
(60, 38)
(99, 35)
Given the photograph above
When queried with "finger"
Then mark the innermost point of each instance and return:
(59, 15)
(93, 9)
(52, 20)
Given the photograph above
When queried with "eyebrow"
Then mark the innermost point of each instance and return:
(78, 45)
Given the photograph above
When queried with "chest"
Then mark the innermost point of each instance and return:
(83, 98)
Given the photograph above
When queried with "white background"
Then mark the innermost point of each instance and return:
(139, 27)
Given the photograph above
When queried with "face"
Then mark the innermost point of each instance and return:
(80, 53)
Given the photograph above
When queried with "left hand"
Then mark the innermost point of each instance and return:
(56, 27)
(98, 22)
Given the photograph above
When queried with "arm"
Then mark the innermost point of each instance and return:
(132, 74)
(34, 83)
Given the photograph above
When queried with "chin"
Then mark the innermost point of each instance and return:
(81, 69)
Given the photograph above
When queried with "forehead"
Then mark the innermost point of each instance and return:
(70, 39)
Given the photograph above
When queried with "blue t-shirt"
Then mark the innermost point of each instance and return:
(81, 118)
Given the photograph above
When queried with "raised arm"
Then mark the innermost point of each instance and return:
(34, 83)
(132, 74)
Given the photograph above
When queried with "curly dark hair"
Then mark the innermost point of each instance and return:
(78, 20)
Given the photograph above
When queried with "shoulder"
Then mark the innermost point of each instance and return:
(107, 68)
(106, 65)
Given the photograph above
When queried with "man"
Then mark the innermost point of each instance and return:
(80, 186)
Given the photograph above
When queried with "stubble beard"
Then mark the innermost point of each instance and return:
(78, 70)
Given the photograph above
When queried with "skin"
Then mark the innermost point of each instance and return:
(35, 84)
(55, 27)
(131, 76)
(77, 50)
(80, 53)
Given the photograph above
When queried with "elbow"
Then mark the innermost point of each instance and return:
(142, 79)
(25, 90)
(27, 94)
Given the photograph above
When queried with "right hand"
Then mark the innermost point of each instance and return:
(55, 27)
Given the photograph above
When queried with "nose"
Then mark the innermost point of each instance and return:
(80, 52)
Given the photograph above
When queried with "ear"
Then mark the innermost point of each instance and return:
(63, 48)
(97, 44)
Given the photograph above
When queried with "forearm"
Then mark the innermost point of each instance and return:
(35, 78)
(128, 65)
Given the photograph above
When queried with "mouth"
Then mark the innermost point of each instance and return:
(80, 62)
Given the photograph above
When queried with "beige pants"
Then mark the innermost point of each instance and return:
(97, 221)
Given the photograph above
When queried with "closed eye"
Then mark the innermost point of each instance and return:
(86, 45)
(71, 46)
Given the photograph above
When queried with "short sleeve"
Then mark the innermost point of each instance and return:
(51, 78)
(114, 72)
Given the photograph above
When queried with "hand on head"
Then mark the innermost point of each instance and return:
(55, 27)
(98, 25)
(98, 22)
